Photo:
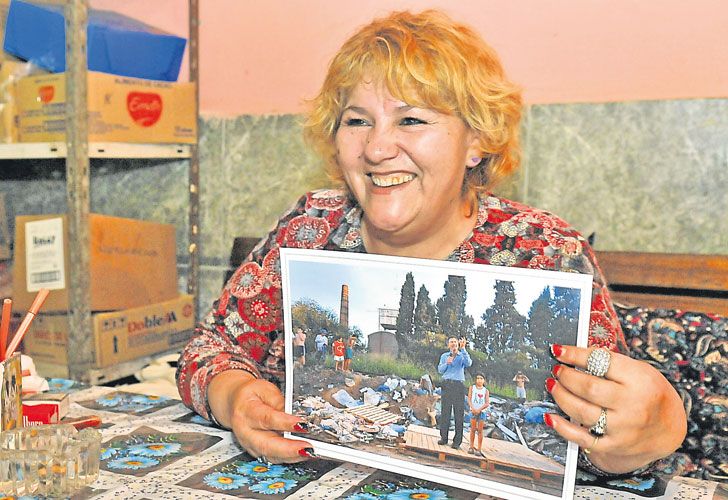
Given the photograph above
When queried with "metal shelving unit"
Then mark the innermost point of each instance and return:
(77, 151)
(44, 150)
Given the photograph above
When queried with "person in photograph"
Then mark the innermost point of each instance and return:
(322, 346)
(521, 380)
(417, 123)
(299, 346)
(338, 349)
(451, 368)
(349, 353)
(479, 401)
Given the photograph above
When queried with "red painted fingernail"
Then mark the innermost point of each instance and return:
(555, 370)
(557, 350)
(550, 383)
(307, 452)
(548, 420)
(301, 427)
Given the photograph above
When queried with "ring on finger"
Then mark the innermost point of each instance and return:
(594, 443)
(600, 428)
(597, 363)
(262, 459)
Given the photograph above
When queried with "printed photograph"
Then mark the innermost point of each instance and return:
(431, 368)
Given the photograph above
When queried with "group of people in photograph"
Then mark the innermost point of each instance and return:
(342, 351)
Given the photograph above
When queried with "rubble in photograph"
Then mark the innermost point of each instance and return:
(353, 408)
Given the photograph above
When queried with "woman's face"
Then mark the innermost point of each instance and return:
(405, 165)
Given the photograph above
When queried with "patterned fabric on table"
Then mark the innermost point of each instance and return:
(691, 350)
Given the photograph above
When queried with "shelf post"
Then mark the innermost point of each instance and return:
(80, 347)
(193, 277)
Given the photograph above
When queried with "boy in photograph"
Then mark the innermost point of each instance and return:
(339, 349)
(299, 346)
(322, 344)
(452, 368)
(349, 354)
(520, 379)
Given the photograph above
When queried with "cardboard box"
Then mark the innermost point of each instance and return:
(10, 73)
(116, 44)
(132, 262)
(119, 109)
(118, 336)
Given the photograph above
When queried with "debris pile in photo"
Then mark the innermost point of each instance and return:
(330, 393)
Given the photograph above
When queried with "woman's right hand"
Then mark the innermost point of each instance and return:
(253, 409)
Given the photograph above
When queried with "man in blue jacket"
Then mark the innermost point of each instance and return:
(452, 368)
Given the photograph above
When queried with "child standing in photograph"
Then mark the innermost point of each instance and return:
(322, 345)
(349, 354)
(479, 400)
(338, 349)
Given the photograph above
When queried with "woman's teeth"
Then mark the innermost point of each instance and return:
(391, 180)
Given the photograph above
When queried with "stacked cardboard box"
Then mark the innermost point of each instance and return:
(138, 310)
(120, 109)
(144, 106)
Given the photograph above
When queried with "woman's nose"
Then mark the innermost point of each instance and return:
(381, 144)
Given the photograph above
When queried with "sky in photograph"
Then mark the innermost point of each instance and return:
(378, 285)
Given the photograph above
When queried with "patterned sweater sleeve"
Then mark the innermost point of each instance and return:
(244, 329)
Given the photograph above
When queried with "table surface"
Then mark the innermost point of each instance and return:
(155, 447)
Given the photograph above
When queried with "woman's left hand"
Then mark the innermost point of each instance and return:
(645, 416)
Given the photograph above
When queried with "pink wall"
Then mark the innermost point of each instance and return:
(266, 57)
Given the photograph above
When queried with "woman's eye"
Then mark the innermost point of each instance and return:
(411, 120)
(355, 122)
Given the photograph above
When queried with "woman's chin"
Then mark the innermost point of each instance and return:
(387, 225)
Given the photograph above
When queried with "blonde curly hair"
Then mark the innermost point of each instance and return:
(426, 60)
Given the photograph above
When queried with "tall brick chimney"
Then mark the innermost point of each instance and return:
(344, 312)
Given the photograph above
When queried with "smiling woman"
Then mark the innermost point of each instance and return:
(417, 122)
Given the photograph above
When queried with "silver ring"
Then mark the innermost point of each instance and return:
(597, 363)
(262, 459)
(600, 428)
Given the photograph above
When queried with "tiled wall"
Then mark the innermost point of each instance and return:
(648, 176)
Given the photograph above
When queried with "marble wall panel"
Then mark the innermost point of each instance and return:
(645, 176)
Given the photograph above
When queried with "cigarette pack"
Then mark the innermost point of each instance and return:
(45, 408)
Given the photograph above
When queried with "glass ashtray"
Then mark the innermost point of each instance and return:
(49, 460)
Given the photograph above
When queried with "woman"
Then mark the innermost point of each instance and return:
(418, 122)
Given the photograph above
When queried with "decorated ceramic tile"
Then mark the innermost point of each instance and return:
(194, 418)
(146, 450)
(128, 403)
(382, 484)
(244, 476)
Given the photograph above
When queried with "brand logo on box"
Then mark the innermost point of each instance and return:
(144, 108)
(151, 322)
(39, 241)
(46, 93)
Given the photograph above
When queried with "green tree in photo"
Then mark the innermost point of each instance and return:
(451, 307)
(503, 327)
(405, 318)
(425, 320)
(540, 321)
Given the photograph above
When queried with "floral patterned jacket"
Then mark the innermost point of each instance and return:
(244, 329)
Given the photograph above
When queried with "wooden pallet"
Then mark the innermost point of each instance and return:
(374, 414)
(501, 457)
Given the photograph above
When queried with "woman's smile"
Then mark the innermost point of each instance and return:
(389, 180)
